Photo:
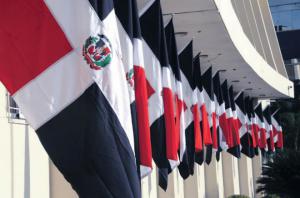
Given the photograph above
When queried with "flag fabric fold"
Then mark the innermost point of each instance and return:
(204, 124)
(220, 110)
(208, 93)
(133, 60)
(161, 103)
(277, 131)
(249, 116)
(235, 126)
(245, 136)
(179, 102)
(262, 140)
(269, 130)
(186, 166)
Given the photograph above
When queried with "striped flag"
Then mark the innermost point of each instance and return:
(161, 101)
(178, 138)
(277, 130)
(71, 86)
(269, 129)
(232, 135)
(186, 166)
(195, 107)
(235, 127)
(256, 129)
(227, 126)
(205, 129)
(249, 115)
(245, 135)
(180, 105)
(262, 140)
(133, 60)
(208, 93)
(220, 144)
(224, 104)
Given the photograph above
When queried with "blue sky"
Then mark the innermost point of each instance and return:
(287, 15)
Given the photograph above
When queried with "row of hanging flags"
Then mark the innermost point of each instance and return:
(107, 91)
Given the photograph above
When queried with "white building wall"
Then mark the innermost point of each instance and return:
(24, 165)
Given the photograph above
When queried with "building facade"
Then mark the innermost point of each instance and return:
(236, 37)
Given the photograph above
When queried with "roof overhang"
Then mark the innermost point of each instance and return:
(218, 35)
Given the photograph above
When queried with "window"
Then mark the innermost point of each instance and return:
(13, 111)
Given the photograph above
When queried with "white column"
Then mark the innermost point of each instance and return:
(246, 176)
(230, 174)
(18, 161)
(39, 167)
(194, 186)
(6, 172)
(201, 181)
(175, 186)
(149, 184)
(214, 186)
(257, 169)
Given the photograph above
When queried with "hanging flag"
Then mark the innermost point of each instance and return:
(204, 123)
(133, 61)
(161, 103)
(234, 127)
(243, 122)
(227, 124)
(254, 127)
(262, 140)
(277, 130)
(71, 87)
(178, 138)
(232, 134)
(223, 109)
(180, 105)
(208, 93)
(269, 129)
(186, 166)
(195, 107)
(248, 106)
(220, 144)
(256, 130)
(279, 143)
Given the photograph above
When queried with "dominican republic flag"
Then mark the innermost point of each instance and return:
(232, 121)
(224, 104)
(180, 105)
(220, 144)
(245, 135)
(277, 130)
(178, 139)
(161, 100)
(133, 61)
(235, 127)
(204, 123)
(262, 140)
(186, 166)
(227, 124)
(208, 93)
(249, 106)
(195, 106)
(269, 129)
(70, 84)
(254, 127)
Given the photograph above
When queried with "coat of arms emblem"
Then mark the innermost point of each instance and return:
(97, 51)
